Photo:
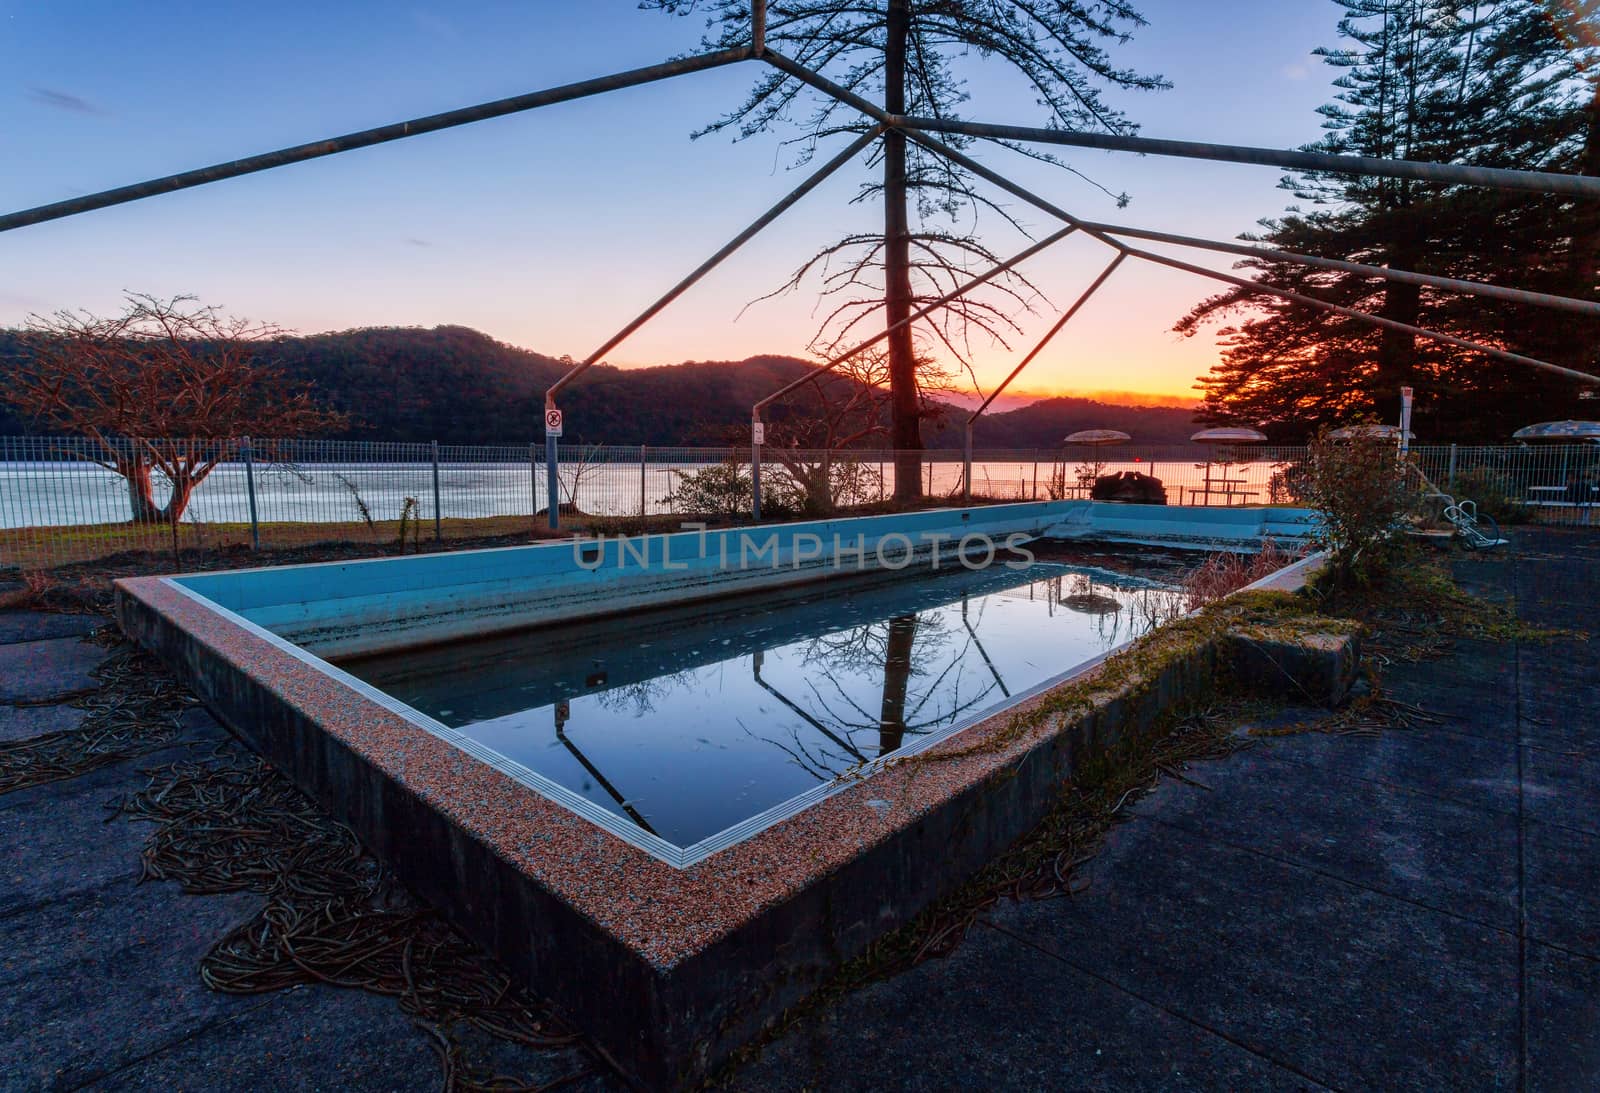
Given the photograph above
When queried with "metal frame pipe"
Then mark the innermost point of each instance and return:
(955, 293)
(812, 181)
(1364, 317)
(367, 137)
(1449, 173)
(850, 99)
(1449, 284)
(1038, 348)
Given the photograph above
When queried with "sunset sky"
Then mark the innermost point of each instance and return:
(550, 229)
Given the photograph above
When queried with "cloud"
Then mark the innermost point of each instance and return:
(1294, 72)
(415, 242)
(63, 101)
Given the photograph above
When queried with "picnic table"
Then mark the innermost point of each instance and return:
(1229, 489)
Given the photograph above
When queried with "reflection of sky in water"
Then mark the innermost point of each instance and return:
(693, 719)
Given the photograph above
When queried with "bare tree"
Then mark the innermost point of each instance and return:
(162, 387)
(905, 55)
(834, 412)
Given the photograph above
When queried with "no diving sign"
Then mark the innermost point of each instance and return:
(552, 422)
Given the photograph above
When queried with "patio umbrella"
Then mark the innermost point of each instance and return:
(1560, 432)
(1097, 437)
(1225, 435)
(1092, 438)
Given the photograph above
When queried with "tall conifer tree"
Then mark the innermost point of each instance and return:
(1504, 83)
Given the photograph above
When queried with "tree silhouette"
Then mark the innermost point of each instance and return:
(165, 386)
(905, 54)
(1499, 83)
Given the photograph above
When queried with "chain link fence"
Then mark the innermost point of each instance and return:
(67, 500)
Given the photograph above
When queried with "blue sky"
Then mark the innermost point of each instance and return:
(551, 229)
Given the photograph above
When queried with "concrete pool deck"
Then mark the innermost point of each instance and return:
(1333, 911)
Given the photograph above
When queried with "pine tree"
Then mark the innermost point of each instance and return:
(1492, 82)
(904, 55)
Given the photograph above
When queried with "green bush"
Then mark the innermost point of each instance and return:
(1358, 490)
(723, 490)
(1490, 491)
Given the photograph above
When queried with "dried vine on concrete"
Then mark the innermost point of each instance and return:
(332, 915)
(135, 710)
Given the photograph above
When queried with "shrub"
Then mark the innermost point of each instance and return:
(1223, 574)
(1358, 490)
(723, 489)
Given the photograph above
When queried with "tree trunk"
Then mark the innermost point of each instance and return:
(1397, 352)
(182, 490)
(136, 471)
(896, 682)
(905, 424)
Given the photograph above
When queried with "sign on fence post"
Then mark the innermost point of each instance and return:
(552, 462)
(250, 491)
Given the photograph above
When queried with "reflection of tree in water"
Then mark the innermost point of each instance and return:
(915, 656)
(640, 698)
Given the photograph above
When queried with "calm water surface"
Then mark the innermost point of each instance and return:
(690, 720)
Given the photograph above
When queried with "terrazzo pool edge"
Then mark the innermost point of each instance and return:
(668, 969)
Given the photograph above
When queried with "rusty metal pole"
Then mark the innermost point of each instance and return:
(811, 182)
(1038, 348)
(365, 138)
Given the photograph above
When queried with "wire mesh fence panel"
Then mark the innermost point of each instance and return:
(69, 500)
(1550, 483)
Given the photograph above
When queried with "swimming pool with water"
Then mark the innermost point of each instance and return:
(687, 721)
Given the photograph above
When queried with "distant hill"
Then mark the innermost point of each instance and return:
(1042, 424)
(459, 386)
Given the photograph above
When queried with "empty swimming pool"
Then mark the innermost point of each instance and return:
(692, 720)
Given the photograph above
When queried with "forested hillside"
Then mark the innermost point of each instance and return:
(459, 386)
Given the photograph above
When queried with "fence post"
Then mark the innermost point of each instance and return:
(438, 523)
(552, 486)
(966, 465)
(250, 491)
(755, 479)
(1450, 478)
(641, 481)
(533, 481)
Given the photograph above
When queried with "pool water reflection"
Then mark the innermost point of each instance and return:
(689, 720)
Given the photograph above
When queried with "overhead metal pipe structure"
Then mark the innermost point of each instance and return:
(365, 138)
(1541, 182)
(811, 182)
(1520, 180)
(1066, 317)
(1497, 178)
(1364, 317)
(919, 130)
(1448, 284)
(823, 369)
(850, 98)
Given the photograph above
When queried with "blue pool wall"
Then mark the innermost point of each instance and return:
(345, 608)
